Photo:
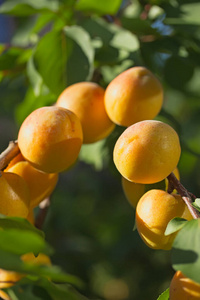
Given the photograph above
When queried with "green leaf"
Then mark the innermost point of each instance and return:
(185, 251)
(188, 14)
(12, 262)
(9, 58)
(178, 71)
(61, 291)
(93, 154)
(164, 295)
(28, 7)
(196, 204)
(175, 225)
(63, 58)
(32, 102)
(100, 7)
(20, 241)
(18, 223)
(124, 39)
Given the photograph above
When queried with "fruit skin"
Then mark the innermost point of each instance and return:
(183, 288)
(134, 95)
(9, 278)
(40, 184)
(15, 195)
(147, 152)
(86, 100)
(133, 191)
(153, 212)
(50, 139)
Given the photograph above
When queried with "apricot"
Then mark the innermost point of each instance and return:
(147, 151)
(134, 95)
(133, 191)
(4, 296)
(183, 288)
(50, 139)
(86, 100)
(153, 212)
(15, 195)
(9, 278)
(40, 184)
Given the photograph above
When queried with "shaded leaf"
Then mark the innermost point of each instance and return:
(185, 251)
(63, 58)
(18, 223)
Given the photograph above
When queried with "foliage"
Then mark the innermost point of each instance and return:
(60, 42)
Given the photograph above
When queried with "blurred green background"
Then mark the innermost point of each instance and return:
(48, 45)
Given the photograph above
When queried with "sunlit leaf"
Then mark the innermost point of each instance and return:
(175, 225)
(101, 7)
(27, 7)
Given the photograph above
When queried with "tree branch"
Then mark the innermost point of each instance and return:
(186, 196)
(8, 154)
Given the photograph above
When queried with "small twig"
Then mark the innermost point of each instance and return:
(173, 181)
(44, 206)
(8, 154)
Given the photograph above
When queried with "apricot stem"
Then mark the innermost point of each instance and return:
(8, 154)
(173, 181)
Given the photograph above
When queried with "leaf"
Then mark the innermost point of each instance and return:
(61, 291)
(178, 71)
(185, 251)
(100, 7)
(164, 295)
(196, 204)
(12, 262)
(93, 154)
(28, 7)
(20, 241)
(64, 57)
(32, 102)
(188, 14)
(124, 39)
(175, 225)
(18, 223)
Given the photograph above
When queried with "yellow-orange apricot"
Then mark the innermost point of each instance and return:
(15, 195)
(183, 288)
(133, 191)
(40, 184)
(50, 139)
(4, 296)
(9, 278)
(134, 95)
(153, 212)
(86, 100)
(31, 216)
(147, 151)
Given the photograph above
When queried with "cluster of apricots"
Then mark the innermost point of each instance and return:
(50, 139)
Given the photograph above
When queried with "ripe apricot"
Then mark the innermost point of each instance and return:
(40, 184)
(9, 278)
(4, 296)
(147, 151)
(86, 100)
(50, 139)
(15, 195)
(133, 191)
(183, 288)
(153, 212)
(134, 95)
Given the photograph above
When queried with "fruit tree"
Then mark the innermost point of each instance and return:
(100, 151)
